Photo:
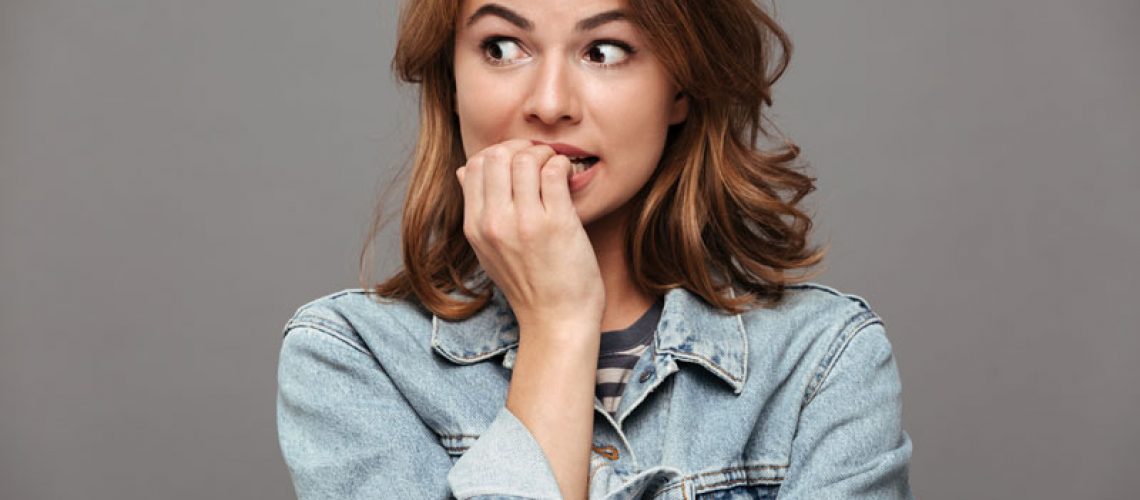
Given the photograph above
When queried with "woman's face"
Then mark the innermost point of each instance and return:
(566, 72)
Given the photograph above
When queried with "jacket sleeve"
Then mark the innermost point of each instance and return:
(850, 443)
(346, 432)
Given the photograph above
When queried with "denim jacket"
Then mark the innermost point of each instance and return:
(798, 401)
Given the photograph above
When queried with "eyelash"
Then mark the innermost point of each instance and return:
(491, 40)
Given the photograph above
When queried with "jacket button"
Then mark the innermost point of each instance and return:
(645, 375)
(607, 451)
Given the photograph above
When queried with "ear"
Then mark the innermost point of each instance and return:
(680, 108)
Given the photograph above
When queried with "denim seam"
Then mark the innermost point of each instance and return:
(833, 355)
(481, 356)
(320, 327)
(823, 288)
(738, 482)
(743, 340)
(307, 317)
(678, 484)
(706, 362)
(830, 354)
(480, 492)
(455, 449)
(700, 487)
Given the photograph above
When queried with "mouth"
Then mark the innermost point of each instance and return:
(579, 164)
(580, 160)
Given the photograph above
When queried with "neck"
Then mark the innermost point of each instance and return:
(625, 303)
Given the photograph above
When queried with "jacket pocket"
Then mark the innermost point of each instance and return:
(735, 482)
(741, 492)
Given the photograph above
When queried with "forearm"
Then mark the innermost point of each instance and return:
(552, 394)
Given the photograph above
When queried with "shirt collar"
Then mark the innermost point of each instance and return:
(689, 329)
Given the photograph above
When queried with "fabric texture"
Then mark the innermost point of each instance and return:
(801, 400)
(619, 351)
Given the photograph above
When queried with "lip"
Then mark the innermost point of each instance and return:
(579, 181)
(565, 149)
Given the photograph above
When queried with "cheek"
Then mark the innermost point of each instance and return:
(634, 125)
(478, 103)
(480, 118)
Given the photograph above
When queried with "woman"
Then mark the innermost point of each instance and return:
(596, 298)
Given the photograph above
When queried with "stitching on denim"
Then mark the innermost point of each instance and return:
(635, 403)
(739, 482)
(824, 288)
(325, 322)
(700, 488)
(833, 359)
(737, 468)
(452, 448)
(744, 340)
(458, 358)
(594, 471)
(729, 482)
(320, 328)
(703, 361)
(837, 344)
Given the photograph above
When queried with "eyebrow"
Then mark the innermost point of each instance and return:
(589, 23)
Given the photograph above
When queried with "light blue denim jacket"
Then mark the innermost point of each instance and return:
(799, 401)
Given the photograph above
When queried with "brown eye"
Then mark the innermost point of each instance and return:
(501, 51)
(609, 53)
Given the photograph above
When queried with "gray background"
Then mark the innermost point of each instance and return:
(177, 177)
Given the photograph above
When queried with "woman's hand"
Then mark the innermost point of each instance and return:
(521, 222)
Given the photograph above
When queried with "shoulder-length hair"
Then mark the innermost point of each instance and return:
(719, 214)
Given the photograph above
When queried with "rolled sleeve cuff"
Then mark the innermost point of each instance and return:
(505, 462)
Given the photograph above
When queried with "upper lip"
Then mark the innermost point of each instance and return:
(566, 149)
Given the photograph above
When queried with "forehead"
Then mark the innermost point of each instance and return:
(536, 13)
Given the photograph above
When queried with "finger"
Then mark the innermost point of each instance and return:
(525, 169)
(497, 173)
(472, 180)
(556, 185)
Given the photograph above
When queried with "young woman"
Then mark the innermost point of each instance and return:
(597, 296)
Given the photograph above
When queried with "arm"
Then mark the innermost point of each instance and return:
(850, 442)
(346, 432)
(552, 393)
(520, 219)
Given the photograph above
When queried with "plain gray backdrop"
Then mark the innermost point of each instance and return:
(177, 177)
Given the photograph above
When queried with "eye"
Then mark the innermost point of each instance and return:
(501, 51)
(609, 53)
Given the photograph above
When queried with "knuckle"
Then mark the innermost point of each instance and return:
(497, 154)
(475, 164)
(525, 159)
(491, 230)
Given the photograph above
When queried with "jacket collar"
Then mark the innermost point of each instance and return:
(689, 329)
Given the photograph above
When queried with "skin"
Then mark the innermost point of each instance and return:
(556, 255)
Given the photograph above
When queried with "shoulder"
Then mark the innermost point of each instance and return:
(358, 317)
(817, 302)
(807, 332)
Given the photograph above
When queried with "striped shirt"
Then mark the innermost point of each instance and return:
(619, 352)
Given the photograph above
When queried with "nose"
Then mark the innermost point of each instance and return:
(553, 94)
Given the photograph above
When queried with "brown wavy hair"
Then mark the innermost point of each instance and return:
(718, 209)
